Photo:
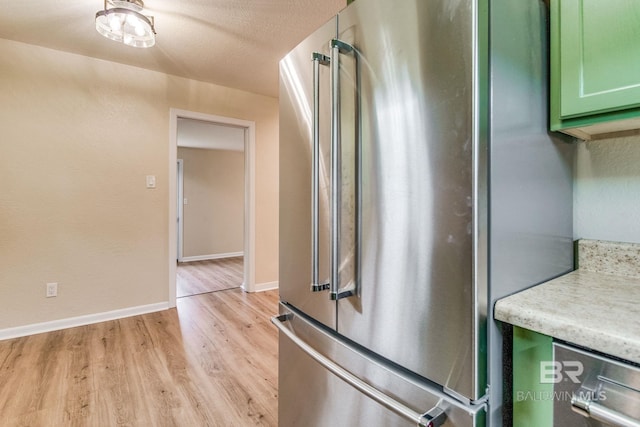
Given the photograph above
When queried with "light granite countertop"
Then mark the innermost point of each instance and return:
(594, 307)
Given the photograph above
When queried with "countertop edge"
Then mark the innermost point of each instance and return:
(536, 310)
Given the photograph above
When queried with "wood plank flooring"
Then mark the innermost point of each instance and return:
(198, 277)
(210, 362)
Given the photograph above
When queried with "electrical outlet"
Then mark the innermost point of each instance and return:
(52, 290)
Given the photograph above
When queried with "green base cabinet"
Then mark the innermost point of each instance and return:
(595, 67)
(532, 398)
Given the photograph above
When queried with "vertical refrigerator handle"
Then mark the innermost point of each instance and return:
(337, 47)
(318, 59)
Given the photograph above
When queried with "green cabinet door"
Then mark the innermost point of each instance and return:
(600, 55)
(595, 62)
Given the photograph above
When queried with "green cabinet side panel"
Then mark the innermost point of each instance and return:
(600, 56)
(532, 399)
(555, 121)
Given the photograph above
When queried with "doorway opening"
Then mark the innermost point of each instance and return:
(210, 207)
(182, 125)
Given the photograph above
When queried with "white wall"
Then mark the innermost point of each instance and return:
(200, 134)
(214, 188)
(607, 190)
(78, 135)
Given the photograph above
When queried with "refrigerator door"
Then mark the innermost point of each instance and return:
(299, 116)
(324, 399)
(413, 73)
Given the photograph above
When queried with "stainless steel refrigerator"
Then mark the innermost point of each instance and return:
(418, 184)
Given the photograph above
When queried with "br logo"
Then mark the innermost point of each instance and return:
(553, 372)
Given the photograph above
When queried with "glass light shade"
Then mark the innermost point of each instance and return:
(126, 26)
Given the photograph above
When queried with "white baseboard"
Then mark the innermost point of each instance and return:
(212, 256)
(261, 287)
(71, 322)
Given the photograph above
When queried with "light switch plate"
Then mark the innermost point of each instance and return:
(151, 181)
(52, 290)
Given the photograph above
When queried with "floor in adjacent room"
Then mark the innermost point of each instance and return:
(198, 277)
(212, 361)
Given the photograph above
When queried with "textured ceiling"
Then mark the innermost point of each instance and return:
(234, 43)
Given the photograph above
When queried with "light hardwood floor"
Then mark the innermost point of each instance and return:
(198, 277)
(210, 362)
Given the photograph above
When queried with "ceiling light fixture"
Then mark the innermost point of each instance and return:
(124, 23)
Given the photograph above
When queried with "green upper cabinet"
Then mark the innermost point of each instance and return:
(595, 66)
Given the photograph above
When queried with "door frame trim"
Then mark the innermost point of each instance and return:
(249, 183)
(180, 209)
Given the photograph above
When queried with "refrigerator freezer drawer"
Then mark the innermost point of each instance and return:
(324, 381)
